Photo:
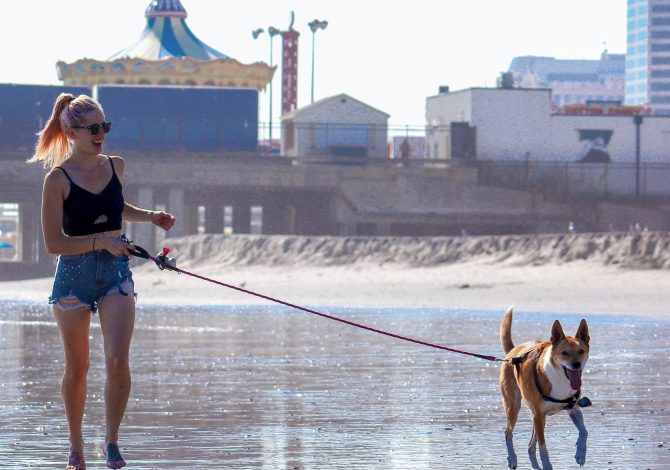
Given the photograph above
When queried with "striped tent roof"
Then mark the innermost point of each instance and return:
(167, 35)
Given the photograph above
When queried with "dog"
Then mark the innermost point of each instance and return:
(548, 376)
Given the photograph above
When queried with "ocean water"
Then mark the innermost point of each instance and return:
(274, 388)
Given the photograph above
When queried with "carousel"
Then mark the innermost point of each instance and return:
(167, 53)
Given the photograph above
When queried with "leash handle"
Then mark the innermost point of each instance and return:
(140, 252)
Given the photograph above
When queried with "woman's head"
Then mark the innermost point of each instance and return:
(69, 112)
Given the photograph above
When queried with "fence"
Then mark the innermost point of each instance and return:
(575, 179)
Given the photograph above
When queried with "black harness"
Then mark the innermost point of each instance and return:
(569, 402)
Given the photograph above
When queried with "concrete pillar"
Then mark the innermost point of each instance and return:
(191, 219)
(273, 219)
(290, 218)
(383, 229)
(144, 234)
(242, 218)
(347, 229)
(177, 208)
(29, 223)
(213, 218)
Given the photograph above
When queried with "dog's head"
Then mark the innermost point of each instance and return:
(571, 352)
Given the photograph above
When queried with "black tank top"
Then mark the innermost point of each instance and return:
(85, 213)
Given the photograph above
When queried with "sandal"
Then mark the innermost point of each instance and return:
(75, 461)
(113, 456)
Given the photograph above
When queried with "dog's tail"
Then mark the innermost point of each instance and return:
(506, 331)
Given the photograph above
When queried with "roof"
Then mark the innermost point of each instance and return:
(329, 99)
(167, 35)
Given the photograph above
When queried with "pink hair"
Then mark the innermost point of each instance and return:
(53, 146)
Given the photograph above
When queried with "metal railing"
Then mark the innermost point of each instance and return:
(574, 179)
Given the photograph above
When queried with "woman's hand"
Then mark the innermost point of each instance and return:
(162, 219)
(115, 246)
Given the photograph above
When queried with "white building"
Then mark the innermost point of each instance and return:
(518, 124)
(335, 126)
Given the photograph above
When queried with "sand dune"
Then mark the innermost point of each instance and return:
(638, 250)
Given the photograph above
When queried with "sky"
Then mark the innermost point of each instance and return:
(388, 54)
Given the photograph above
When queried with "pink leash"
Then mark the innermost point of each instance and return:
(163, 262)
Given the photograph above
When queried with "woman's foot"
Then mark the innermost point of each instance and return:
(75, 461)
(113, 456)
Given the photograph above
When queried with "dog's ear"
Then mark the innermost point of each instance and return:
(583, 332)
(557, 334)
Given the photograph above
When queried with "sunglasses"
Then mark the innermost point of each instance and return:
(95, 128)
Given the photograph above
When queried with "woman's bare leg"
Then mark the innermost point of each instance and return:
(74, 329)
(117, 319)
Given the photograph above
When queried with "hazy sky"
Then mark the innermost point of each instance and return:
(389, 54)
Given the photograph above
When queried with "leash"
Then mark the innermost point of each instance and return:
(169, 264)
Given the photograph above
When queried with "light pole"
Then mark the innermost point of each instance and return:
(637, 120)
(272, 32)
(315, 25)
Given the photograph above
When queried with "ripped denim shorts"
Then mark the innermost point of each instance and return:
(83, 280)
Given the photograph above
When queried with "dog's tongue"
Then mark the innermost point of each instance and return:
(575, 378)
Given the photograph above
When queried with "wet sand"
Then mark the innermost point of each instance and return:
(232, 386)
(580, 287)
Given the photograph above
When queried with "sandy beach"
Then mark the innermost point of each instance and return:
(587, 274)
(223, 379)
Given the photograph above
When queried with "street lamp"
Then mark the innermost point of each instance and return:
(272, 32)
(637, 120)
(315, 25)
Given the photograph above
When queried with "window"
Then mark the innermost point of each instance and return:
(656, 34)
(660, 22)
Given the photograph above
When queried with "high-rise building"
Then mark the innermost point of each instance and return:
(648, 55)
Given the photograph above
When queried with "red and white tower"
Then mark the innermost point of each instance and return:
(289, 68)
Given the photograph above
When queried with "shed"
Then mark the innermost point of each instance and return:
(335, 126)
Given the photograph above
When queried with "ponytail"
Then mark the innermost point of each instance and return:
(53, 146)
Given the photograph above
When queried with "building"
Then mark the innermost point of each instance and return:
(167, 53)
(519, 124)
(572, 81)
(339, 126)
(24, 109)
(648, 55)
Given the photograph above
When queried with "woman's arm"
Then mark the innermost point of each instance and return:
(136, 214)
(158, 218)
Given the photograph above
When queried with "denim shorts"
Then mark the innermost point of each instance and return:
(83, 280)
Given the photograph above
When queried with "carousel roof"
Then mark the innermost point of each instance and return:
(167, 35)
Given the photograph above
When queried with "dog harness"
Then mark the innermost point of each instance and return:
(570, 402)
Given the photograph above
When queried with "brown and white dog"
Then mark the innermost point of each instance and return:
(548, 376)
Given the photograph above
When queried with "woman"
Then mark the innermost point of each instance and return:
(82, 210)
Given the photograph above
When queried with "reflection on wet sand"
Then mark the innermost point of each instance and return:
(235, 387)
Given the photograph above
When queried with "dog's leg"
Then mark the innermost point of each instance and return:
(538, 431)
(578, 418)
(511, 396)
(532, 451)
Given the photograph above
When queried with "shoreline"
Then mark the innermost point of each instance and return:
(579, 287)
